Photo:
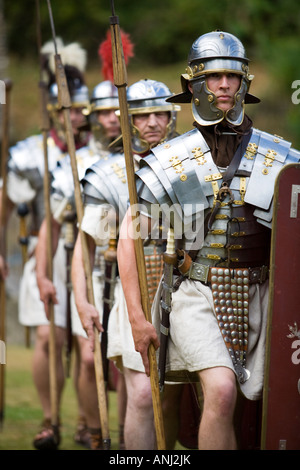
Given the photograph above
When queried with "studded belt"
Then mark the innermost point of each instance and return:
(203, 273)
(230, 290)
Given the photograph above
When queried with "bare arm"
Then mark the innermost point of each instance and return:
(89, 315)
(45, 285)
(143, 332)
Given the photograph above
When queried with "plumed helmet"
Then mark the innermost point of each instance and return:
(149, 96)
(213, 52)
(79, 93)
(74, 59)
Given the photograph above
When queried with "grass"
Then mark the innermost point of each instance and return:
(23, 411)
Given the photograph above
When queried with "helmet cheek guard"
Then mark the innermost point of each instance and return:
(215, 52)
(149, 96)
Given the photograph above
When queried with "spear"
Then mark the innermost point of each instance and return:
(64, 103)
(120, 80)
(4, 157)
(45, 127)
(23, 211)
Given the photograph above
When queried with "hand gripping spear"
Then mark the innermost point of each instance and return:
(45, 126)
(64, 103)
(120, 81)
(4, 156)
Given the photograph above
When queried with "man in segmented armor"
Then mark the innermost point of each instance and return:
(214, 185)
(105, 190)
(25, 185)
(105, 127)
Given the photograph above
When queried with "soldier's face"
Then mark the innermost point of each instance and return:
(110, 122)
(76, 117)
(152, 126)
(224, 86)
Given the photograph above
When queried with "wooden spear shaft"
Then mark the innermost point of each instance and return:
(4, 158)
(120, 80)
(88, 273)
(45, 127)
(64, 103)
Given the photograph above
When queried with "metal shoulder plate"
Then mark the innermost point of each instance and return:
(62, 176)
(27, 159)
(182, 171)
(105, 182)
(265, 156)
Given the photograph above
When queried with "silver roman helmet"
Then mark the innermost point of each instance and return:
(104, 97)
(215, 52)
(149, 96)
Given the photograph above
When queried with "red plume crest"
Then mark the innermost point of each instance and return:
(105, 54)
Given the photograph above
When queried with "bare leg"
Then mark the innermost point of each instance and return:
(139, 422)
(87, 384)
(122, 404)
(41, 366)
(216, 430)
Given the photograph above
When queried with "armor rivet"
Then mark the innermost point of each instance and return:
(246, 311)
(228, 303)
(226, 272)
(214, 270)
(222, 301)
(265, 171)
(246, 304)
(227, 295)
(216, 301)
(221, 287)
(235, 341)
(219, 317)
(220, 272)
(214, 286)
(223, 310)
(224, 318)
(233, 287)
(220, 279)
(230, 318)
(215, 294)
(183, 177)
(196, 101)
(239, 296)
(239, 272)
(214, 279)
(229, 310)
(233, 295)
(210, 98)
(239, 288)
(227, 279)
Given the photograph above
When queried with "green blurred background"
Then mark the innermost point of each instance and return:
(162, 31)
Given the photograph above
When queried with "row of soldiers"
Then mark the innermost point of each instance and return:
(102, 172)
(213, 188)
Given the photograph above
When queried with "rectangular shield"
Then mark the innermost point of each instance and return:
(281, 397)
